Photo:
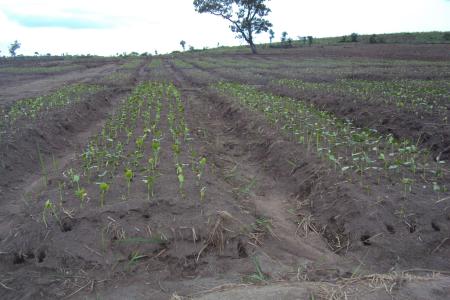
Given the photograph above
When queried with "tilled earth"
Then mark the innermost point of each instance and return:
(276, 222)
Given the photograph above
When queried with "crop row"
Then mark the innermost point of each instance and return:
(131, 63)
(431, 96)
(40, 70)
(361, 151)
(126, 156)
(31, 108)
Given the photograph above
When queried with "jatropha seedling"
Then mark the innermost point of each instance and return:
(202, 193)
(128, 174)
(201, 168)
(150, 178)
(81, 193)
(49, 209)
(104, 188)
(180, 176)
(156, 148)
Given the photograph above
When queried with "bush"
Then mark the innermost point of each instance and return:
(289, 43)
(354, 37)
(446, 36)
(373, 39)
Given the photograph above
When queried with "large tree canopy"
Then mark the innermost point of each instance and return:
(246, 16)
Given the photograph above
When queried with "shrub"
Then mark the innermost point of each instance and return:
(446, 36)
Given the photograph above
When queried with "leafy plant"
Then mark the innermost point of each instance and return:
(128, 174)
(81, 193)
(104, 188)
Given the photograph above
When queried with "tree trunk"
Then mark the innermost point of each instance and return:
(253, 47)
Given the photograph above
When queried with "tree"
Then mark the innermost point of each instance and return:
(272, 35)
(310, 40)
(354, 37)
(289, 42)
(246, 16)
(183, 44)
(284, 35)
(446, 36)
(13, 48)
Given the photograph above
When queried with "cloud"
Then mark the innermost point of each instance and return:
(57, 19)
(61, 22)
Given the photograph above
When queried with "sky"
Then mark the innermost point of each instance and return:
(108, 27)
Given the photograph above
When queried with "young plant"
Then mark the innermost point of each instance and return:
(134, 257)
(104, 188)
(201, 168)
(140, 143)
(75, 179)
(81, 194)
(128, 177)
(202, 193)
(258, 276)
(49, 209)
(156, 148)
(180, 176)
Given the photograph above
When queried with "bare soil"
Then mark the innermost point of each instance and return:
(18, 86)
(272, 208)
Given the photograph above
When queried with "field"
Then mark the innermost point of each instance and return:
(306, 173)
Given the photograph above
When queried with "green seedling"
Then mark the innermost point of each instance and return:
(150, 182)
(134, 257)
(104, 187)
(128, 177)
(201, 168)
(258, 276)
(156, 147)
(129, 135)
(49, 209)
(81, 194)
(176, 149)
(76, 179)
(139, 143)
(202, 193)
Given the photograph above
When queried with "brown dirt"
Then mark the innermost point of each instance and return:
(15, 87)
(269, 201)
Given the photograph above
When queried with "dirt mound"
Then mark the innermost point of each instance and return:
(384, 287)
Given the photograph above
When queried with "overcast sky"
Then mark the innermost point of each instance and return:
(107, 27)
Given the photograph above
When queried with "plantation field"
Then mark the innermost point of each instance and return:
(309, 173)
